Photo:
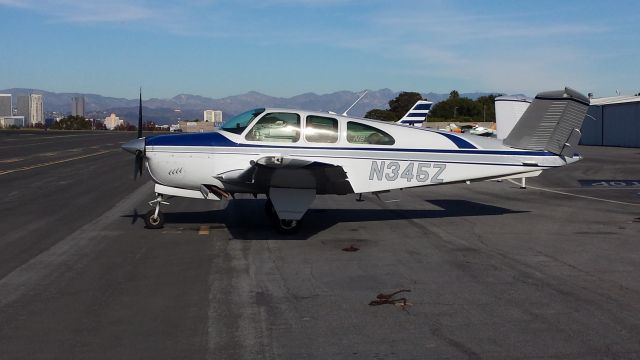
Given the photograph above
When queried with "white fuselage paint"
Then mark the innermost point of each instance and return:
(419, 157)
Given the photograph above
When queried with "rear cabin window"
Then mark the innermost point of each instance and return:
(320, 129)
(276, 127)
(364, 134)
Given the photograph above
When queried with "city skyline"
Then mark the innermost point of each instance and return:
(287, 47)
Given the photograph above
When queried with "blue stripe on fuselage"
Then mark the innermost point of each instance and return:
(215, 139)
(460, 142)
(194, 139)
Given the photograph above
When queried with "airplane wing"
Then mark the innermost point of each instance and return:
(282, 172)
(291, 184)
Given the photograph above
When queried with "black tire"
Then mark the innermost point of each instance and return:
(153, 222)
(286, 227)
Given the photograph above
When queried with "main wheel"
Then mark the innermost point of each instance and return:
(285, 226)
(152, 221)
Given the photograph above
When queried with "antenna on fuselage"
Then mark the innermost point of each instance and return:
(354, 104)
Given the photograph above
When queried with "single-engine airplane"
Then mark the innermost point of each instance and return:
(292, 156)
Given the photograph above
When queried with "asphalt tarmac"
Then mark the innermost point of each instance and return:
(494, 271)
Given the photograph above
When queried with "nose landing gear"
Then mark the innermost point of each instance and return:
(154, 218)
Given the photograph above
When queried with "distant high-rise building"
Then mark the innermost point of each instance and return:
(30, 106)
(5, 105)
(23, 105)
(214, 116)
(37, 109)
(77, 106)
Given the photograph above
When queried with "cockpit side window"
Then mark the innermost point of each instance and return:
(276, 127)
(358, 133)
(239, 123)
(321, 129)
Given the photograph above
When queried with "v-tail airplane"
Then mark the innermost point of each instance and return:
(292, 156)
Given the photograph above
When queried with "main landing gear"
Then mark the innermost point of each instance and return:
(283, 226)
(291, 205)
(154, 218)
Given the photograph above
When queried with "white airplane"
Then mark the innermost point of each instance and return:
(292, 156)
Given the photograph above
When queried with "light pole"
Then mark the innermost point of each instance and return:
(455, 110)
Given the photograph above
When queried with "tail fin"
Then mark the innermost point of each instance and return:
(417, 114)
(551, 123)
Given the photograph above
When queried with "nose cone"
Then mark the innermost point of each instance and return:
(134, 146)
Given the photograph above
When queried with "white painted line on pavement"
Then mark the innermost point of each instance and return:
(574, 195)
(53, 162)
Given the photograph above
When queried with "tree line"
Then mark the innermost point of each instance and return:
(459, 108)
(455, 108)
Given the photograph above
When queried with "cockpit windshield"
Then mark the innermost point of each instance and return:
(238, 123)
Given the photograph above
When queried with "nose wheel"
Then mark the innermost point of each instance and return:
(154, 218)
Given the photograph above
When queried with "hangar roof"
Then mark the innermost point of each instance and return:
(614, 100)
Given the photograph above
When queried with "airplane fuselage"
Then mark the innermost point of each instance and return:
(413, 157)
(293, 155)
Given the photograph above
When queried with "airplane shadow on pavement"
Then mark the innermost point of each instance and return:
(245, 219)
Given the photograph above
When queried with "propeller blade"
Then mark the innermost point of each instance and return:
(140, 116)
(138, 164)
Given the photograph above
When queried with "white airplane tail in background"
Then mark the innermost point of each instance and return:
(417, 114)
(551, 123)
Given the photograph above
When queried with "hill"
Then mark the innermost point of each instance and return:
(188, 106)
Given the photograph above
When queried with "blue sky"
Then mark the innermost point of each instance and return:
(219, 48)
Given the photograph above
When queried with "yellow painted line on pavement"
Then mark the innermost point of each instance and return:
(54, 162)
(204, 230)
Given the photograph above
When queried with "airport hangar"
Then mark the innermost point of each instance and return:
(612, 121)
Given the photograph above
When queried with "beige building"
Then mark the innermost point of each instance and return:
(214, 116)
(112, 121)
(37, 109)
(193, 126)
(30, 106)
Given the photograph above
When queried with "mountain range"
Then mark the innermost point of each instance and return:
(189, 107)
